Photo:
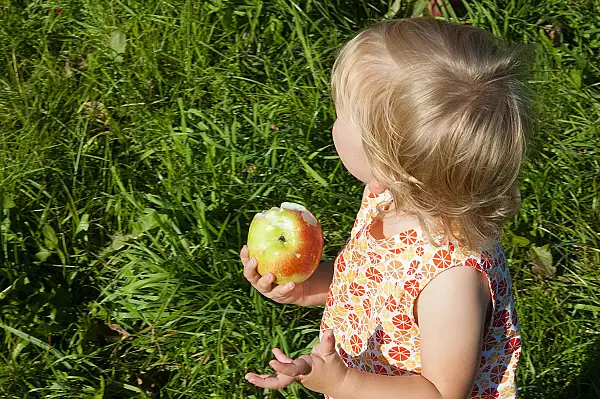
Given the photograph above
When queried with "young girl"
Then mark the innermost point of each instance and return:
(434, 119)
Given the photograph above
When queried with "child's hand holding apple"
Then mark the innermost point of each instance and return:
(284, 249)
(290, 293)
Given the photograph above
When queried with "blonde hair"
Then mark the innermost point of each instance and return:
(444, 116)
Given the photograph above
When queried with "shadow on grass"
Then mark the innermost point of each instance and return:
(587, 384)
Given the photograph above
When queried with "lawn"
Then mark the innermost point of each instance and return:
(139, 138)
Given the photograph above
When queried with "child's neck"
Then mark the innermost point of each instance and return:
(393, 223)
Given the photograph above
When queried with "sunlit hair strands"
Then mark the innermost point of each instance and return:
(444, 115)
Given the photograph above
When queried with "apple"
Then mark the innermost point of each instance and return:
(286, 241)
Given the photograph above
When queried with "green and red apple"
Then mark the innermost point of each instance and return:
(286, 241)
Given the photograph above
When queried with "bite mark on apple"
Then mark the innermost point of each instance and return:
(306, 215)
(292, 206)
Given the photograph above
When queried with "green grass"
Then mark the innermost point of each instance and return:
(138, 139)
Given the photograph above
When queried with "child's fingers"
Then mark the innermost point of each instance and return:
(265, 283)
(282, 357)
(300, 366)
(282, 290)
(270, 381)
(250, 272)
(244, 254)
(326, 345)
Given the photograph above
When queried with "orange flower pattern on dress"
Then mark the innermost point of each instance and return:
(373, 292)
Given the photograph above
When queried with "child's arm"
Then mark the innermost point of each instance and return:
(452, 316)
(317, 285)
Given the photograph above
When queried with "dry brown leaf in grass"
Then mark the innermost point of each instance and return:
(95, 109)
(74, 64)
(120, 330)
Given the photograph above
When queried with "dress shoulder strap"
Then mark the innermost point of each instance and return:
(371, 205)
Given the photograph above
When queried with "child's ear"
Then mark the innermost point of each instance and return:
(376, 187)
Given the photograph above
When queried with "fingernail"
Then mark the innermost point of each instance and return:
(289, 286)
(271, 277)
(252, 262)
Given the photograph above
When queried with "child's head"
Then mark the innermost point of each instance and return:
(443, 117)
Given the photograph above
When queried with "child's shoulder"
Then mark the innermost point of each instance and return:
(455, 254)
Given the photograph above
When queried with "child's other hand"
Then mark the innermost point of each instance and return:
(273, 381)
(290, 293)
(323, 370)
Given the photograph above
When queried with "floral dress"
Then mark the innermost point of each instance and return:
(373, 292)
